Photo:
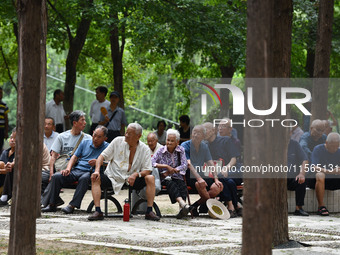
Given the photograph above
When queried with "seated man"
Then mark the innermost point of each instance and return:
(87, 153)
(197, 153)
(49, 134)
(222, 147)
(172, 165)
(326, 165)
(313, 138)
(153, 144)
(297, 161)
(129, 162)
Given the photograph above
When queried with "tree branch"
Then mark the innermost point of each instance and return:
(8, 71)
(63, 19)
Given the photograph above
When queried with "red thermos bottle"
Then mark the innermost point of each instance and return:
(126, 210)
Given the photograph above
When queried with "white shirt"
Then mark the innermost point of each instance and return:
(117, 153)
(65, 142)
(95, 112)
(55, 111)
(156, 149)
(49, 140)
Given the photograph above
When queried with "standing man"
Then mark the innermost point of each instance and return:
(115, 119)
(3, 121)
(49, 134)
(100, 102)
(55, 109)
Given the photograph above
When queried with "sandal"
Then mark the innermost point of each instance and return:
(322, 211)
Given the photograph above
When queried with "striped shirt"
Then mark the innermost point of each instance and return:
(3, 111)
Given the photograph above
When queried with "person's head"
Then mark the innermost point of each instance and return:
(12, 138)
(198, 134)
(225, 128)
(317, 129)
(184, 121)
(152, 140)
(58, 95)
(161, 125)
(333, 142)
(133, 133)
(49, 125)
(99, 136)
(77, 119)
(210, 133)
(328, 127)
(101, 92)
(172, 139)
(114, 97)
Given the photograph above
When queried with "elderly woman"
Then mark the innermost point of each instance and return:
(172, 165)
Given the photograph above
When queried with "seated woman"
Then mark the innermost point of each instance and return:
(160, 132)
(6, 167)
(172, 165)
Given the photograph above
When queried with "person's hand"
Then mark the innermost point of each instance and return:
(95, 176)
(65, 172)
(202, 183)
(9, 167)
(92, 162)
(300, 178)
(107, 119)
(131, 179)
(219, 184)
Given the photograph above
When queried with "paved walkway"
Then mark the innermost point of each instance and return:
(201, 235)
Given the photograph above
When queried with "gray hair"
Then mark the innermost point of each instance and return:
(102, 128)
(208, 125)
(204, 130)
(173, 132)
(138, 128)
(76, 115)
(333, 137)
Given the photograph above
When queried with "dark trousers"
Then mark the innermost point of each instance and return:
(8, 184)
(229, 192)
(92, 128)
(300, 190)
(45, 176)
(58, 181)
(2, 137)
(112, 134)
(176, 188)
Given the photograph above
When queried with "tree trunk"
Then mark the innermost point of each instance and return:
(30, 115)
(117, 51)
(268, 55)
(322, 59)
(227, 73)
(76, 46)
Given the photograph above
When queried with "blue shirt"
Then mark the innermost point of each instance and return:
(197, 158)
(118, 120)
(295, 157)
(223, 147)
(85, 152)
(307, 143)
(324, 159)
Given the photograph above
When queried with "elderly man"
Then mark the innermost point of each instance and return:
(83, 160)
(49, 134)
(197, 153)
(313, 138)
(129, 162)
(153, 144)
(326, 165)
(222, 147)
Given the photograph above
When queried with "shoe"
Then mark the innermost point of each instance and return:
(301, 212)
(233, 214)
(59, 202)
(3, 203)
(203, 208)
(49, 208)
(68, 209)
(239, 211)
(96, 216)
(151, 216)
(322, 211)
(183, 212)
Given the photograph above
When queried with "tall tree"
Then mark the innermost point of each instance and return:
(29, 139)
(322, 59)
(268, 56)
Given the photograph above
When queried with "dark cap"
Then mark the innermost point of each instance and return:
(114, 93)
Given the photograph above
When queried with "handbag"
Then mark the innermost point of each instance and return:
(62, 161)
